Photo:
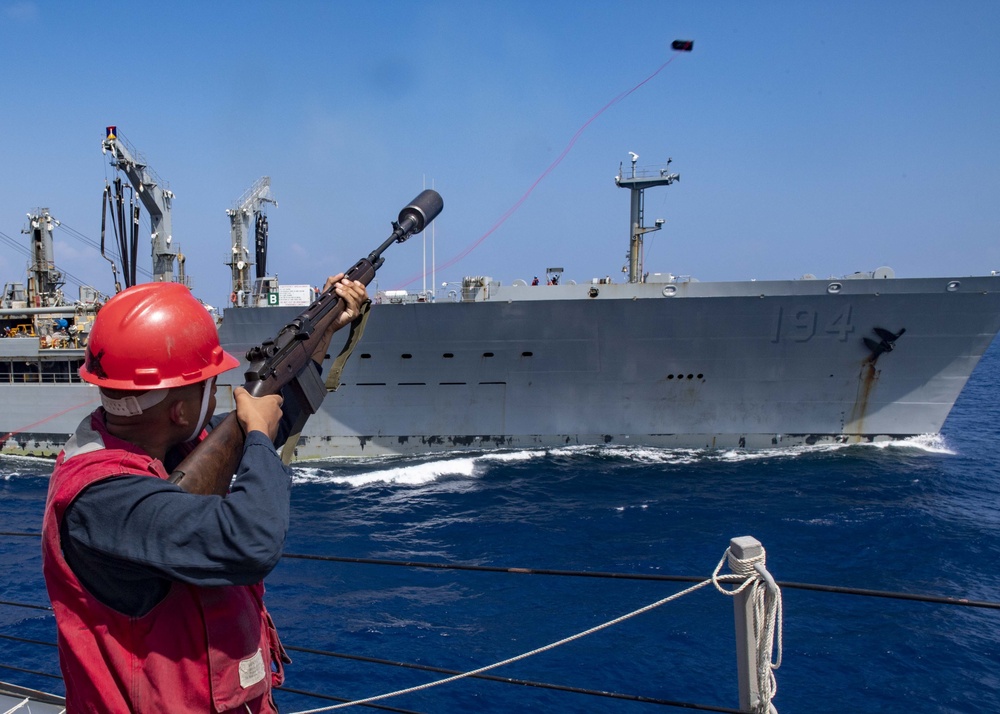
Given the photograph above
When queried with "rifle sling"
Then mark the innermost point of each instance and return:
(357, 330)
(332, 380)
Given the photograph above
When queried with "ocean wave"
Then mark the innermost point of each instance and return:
(411, 471)
(28, 467)
(421, 470)
(930, 443)
(683, 457)
(407, 475)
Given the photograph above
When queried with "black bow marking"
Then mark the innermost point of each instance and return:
(886, 342)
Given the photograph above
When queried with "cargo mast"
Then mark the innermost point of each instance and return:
(45, 282)
(251, 203)
(637, 183)
(155, 197)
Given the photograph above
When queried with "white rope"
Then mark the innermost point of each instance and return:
(23, 705)
(766, 620)
(17, 706)
(715, 579)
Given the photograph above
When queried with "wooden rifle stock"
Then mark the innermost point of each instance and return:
(285, 360)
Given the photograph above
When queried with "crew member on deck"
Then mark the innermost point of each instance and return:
(158, 593)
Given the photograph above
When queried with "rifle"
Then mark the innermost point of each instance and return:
(285, 360)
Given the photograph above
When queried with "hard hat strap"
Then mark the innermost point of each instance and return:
(133, 406)
(206, 395)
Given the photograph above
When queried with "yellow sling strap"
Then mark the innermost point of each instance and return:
(332, 379)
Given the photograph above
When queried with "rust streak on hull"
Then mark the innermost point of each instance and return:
(867, 379)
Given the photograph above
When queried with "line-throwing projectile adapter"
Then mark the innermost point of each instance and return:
(287, 359)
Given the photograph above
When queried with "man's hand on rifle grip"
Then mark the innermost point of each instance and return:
(354, 294)
(258, 413)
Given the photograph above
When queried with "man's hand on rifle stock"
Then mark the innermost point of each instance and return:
(354, 294)
(258, 413)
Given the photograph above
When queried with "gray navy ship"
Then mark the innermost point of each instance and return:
(655, 361)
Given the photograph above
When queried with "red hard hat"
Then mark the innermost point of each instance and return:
(153, 336)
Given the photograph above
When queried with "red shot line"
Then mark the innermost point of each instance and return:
(558, 160)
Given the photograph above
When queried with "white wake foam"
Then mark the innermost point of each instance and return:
(422, 470)
(930, 443)
(410, 473)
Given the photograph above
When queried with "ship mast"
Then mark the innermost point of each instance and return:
(44, 280)
(637, 183)
(251, 203)
(154, 196)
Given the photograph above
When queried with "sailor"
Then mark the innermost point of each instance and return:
(535, 281)
(158, 593)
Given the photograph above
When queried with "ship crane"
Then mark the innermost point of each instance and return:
(155, 197)
(638, 182)
(251, 204)
(45, 281)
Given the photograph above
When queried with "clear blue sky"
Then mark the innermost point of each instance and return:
(811, 137)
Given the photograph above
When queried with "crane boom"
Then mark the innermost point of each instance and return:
(249, 205)
(155, 197)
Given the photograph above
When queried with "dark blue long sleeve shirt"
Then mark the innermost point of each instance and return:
(128, 538)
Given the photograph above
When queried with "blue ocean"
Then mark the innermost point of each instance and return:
(920, 517)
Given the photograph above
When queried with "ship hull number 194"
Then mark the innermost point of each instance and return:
(801, 325)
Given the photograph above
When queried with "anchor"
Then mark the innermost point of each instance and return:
(886, 343)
